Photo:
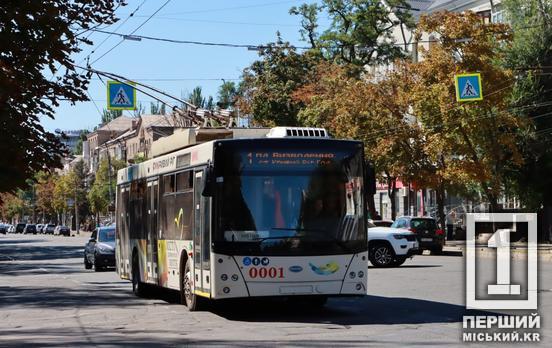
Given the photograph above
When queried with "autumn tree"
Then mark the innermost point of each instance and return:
(36, 72)
(227, 94)
(472, 142)
(44, 192)
(369, 110)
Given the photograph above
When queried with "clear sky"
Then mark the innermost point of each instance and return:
(238, 21)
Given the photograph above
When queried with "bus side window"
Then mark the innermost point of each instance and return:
(168, 183)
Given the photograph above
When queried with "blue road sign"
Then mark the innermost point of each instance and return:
(121, 96)
(468, 87)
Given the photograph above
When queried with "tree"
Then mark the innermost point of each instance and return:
(268, 84)
(371, 111)
(196, 97)
(110, 115)
(44, 192)
(360, 32)
(467, 143)
(157, 108)
(530, 56)
(12, 206)
(101, 194)
(227, 94)
(38, 40)
(82, 138)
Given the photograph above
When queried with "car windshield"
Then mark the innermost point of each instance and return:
(106, 235)
(272, 203)
(425, 224)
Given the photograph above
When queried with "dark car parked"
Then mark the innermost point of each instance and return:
(100, 249)
(3, 228)
(30, 228)
(19, 228)
(429, 235)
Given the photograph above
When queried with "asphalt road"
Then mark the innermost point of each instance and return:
(48, 299)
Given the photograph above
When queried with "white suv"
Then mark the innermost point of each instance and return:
(390, 247)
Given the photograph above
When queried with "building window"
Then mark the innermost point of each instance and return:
(485, 15)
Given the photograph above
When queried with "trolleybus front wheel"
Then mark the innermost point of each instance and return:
(187, 297)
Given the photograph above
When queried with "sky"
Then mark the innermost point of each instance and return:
(154, 63)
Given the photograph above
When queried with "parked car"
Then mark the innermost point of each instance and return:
(29, 228)
(3, 228)
(62, 231)
(39, 228)
(49, 229)
(19, 228)
(382, 223)
(429, 235)
(11, 229)
(390, 247)
(100, 249)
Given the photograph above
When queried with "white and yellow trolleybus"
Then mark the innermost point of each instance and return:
(278, 215)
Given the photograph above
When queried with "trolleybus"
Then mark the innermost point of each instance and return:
(280, 215)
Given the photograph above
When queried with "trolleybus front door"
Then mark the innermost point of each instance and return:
(201, 255)
(152, 232)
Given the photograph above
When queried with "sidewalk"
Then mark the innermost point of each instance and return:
(518, 250)
(81, 234)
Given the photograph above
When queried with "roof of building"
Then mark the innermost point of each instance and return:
(450, 5)
(419, 7)
(121, 123)
(157, 121)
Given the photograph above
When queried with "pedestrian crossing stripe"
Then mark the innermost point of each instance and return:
(121, 95)
(468, 87)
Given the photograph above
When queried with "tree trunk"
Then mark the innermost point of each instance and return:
(440, 197)
(392, 193)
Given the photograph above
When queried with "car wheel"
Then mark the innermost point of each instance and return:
(97, 267)
(87, 264)
(381, 255)
(398, 261)
(437, 250)
(187, 297)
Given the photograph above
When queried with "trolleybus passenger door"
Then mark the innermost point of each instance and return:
(202, 241)
(152, 233)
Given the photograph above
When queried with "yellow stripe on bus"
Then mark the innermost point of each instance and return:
(202, 294)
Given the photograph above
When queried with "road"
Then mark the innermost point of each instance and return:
(48, 299)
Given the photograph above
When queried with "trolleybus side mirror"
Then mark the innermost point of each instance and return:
(370, 177)
(209, 183)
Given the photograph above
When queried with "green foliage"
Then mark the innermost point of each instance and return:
(227, 94)
(38, 40)
(196, 97)
(104, 183)
(530, 55)
(360, 33)
(110, 115)
(266, 91)
(157, 108)
(82, 138)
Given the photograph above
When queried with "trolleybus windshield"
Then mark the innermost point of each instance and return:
(295, 199)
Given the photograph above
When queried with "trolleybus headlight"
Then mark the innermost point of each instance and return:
(234, 277)
(352, 275)
(226, 290)
(224, 277)
(360, 274)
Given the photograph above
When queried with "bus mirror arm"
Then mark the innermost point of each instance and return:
(209, 183)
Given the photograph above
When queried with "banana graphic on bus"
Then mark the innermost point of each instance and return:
(328, 268)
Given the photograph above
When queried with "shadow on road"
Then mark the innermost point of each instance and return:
(346, 311)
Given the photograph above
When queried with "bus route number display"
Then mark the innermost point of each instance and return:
(260, 159)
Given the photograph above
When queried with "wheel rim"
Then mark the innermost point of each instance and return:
(382, 255)
(188, 287)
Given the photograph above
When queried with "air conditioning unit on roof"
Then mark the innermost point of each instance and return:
(297, 132)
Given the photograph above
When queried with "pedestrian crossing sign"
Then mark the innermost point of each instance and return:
(468, 87)
(121, 95)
